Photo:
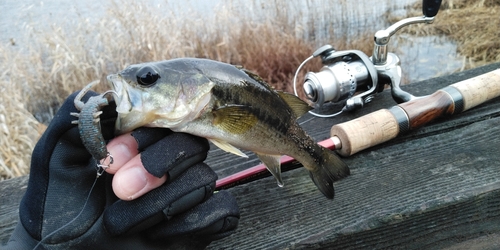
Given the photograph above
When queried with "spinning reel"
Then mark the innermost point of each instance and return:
(351, 71)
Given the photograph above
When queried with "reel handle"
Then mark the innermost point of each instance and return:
(430, 8)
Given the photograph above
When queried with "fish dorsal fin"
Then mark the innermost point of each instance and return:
(234, 119)
(228, 147)
(298, 106)
(273, 164)
(254, 76)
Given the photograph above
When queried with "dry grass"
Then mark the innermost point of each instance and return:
(263, 36)
(36, 80)
(18, 128)
(473, 25)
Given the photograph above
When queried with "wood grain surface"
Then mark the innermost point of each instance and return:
(433, 188)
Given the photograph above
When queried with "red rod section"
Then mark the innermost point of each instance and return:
(254, 172)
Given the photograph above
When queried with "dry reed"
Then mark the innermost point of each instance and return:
(263, 36)
(36, 80)
(18, 128)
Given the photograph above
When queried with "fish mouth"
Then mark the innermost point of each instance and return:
(128, 119)
(122, 100)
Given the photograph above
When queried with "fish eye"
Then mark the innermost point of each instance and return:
(147, 76)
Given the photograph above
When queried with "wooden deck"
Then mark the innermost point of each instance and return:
(433, 188)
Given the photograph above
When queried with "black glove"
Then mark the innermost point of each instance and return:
(183, 213)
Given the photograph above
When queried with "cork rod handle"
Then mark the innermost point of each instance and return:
(365, 131)
(385, 124)
(479, 89)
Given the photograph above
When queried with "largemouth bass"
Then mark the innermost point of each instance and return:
(228, 105)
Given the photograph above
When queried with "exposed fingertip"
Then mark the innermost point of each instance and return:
(129, 183)
(132, 182)
(123, 148)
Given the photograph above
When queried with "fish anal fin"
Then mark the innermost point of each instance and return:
(273, 164)
(228, 147)
(298, 106)
(235, 119)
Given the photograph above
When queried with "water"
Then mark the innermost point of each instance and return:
(426, 57)
(19, 17)
(421, 57)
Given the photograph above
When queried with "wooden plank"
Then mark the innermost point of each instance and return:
(416, 195)
(433, 187)
(11, 193)
(430, 188)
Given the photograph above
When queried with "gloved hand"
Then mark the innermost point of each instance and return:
(182, 213)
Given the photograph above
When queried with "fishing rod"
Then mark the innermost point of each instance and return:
(352, 78)
(380, 126)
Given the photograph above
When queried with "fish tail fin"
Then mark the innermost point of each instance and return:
(330, 168)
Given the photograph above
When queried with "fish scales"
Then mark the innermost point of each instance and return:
(228, 105)
(270, 118)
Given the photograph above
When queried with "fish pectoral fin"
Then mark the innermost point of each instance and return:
(298, 106)
(273, 164)
(235, 119)
(228, 147)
